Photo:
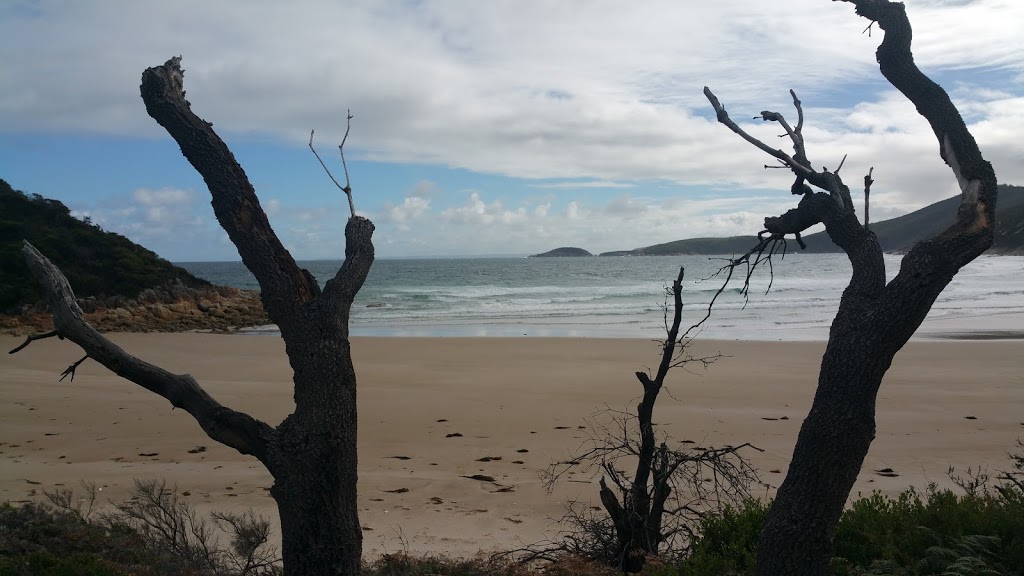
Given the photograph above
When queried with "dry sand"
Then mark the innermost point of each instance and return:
(955, 403)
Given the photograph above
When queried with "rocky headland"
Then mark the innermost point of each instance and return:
(173, 307)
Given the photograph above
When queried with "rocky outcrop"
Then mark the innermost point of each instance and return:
(171, 308)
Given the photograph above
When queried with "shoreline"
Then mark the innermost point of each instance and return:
(504, 396)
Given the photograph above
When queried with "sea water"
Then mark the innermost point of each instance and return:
(626, 296)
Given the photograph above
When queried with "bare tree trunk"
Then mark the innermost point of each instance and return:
(312, 453)
(875, 319)
(315, 458)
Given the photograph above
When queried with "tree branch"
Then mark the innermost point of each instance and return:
(835, 209)
(283, 284)
(723, 117)
(347, 188)
(344, 165)
(931, 264)
(235, 429)
(868, 181)
(33, 337)
(70, 370)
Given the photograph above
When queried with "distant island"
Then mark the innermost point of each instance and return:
(895, 235)
(564, 252)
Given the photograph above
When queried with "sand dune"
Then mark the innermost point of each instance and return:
(436, 412)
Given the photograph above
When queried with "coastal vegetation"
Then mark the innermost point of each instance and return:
(976, 530)
(99, 264)
(120, 285)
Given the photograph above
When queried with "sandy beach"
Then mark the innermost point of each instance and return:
(523, 400)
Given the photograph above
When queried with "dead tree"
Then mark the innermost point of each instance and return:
(875, 319)
(670, 489)
(312, 453)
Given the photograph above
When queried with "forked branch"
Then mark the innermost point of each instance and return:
(347, 188)
(724, 118)
(235, 429)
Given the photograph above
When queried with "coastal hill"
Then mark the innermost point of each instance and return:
(564, 252)
(119, 284)
(895, 235)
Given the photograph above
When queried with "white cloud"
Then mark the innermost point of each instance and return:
(601, 91)
(478, 212)
(162, 197)
(410, 209)
(582, 185)
(592, 95)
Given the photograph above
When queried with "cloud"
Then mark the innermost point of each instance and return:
(162, 197)
(601, 92)
(577, 99)
(477, 212)
(582, 185)
(498, 228)
(410, 209)
(171, 221)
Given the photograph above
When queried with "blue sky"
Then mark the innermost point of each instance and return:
(499, 127)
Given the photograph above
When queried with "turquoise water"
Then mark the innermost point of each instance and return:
(623, 297)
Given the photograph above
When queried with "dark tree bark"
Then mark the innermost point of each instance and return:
(637, 519)
(656, 509)
(312, 453)
(875, 319)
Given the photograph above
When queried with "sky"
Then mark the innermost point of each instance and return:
(499, 127)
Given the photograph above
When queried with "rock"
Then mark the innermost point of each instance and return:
(159, 311)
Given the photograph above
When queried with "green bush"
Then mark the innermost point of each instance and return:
(939, 532)
(728, 542)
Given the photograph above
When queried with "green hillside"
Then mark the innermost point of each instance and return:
(97, 263)
(901, 233)
(733, 244)
(894, 235)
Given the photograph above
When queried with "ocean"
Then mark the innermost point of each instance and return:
(625, 297)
